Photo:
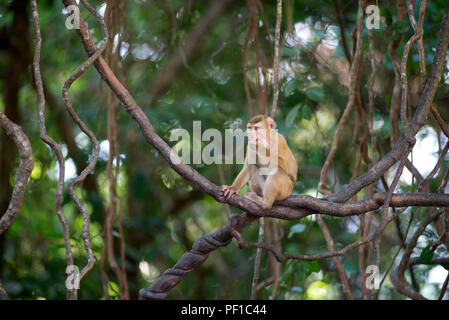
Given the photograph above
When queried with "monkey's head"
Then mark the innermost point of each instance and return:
(259, 127)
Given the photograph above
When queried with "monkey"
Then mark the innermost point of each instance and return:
(271, 171)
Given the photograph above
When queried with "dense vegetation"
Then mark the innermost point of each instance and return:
(180, 67)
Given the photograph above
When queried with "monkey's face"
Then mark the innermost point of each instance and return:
(256, 132)
(259, 131)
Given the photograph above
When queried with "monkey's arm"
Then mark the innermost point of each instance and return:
(286, 160)
(239, 181)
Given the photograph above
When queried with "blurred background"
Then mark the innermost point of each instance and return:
(162, 215)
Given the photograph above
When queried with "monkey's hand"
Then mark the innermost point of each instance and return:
(227, 191)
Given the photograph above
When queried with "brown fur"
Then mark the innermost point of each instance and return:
(257, 118)
(266, 189)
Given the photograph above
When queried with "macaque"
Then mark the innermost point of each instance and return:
(269, 165)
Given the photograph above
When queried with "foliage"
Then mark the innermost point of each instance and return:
(162, 214)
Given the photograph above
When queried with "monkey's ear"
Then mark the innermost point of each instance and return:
(271, 123)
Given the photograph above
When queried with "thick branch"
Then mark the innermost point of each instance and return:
(192, 259)
(303, 205)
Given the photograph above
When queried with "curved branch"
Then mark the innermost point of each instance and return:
(209, 242)
(71, 293)
(322, 206)
(416, 260)
(301, 207)
(281, 256)
(192, 259)
(416, 36)
(353, 77)
(95, 145)
(397, 275)
(23, 172)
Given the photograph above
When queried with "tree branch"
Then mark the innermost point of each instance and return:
(71, 293)
(416, 123)
(199, 253)
(293, 208)
(23, 172)
(95, 145)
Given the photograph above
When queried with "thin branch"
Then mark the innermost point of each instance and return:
(96, 147)
(257, 260)
(71, 293)
(334, 254)
(245, 59)
(416, 36)
(395, 104)
(113, 133)
(281, 256)
(435, 169)
(342, 30)
(415, 124)
(265, 283)
(403, 245)
(397, 275)
(353, 76)
(444, 288)
(276, 58)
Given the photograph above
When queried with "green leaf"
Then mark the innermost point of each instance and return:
(297, 228)
(316, 94)
(306, 112)
(288, 52)
(312, 266)
(387, 101)
(52, 234)
(400, 26)
(291, 87)
(386, 13)
(6, 19)
(288, 272)
(113, 289)
(426, 255)
(295, 98)
(291, 116)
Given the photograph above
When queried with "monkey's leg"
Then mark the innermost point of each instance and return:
(270, 193)
(256, 198)
(277, 187)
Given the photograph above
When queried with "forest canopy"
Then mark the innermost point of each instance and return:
(94, 96)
